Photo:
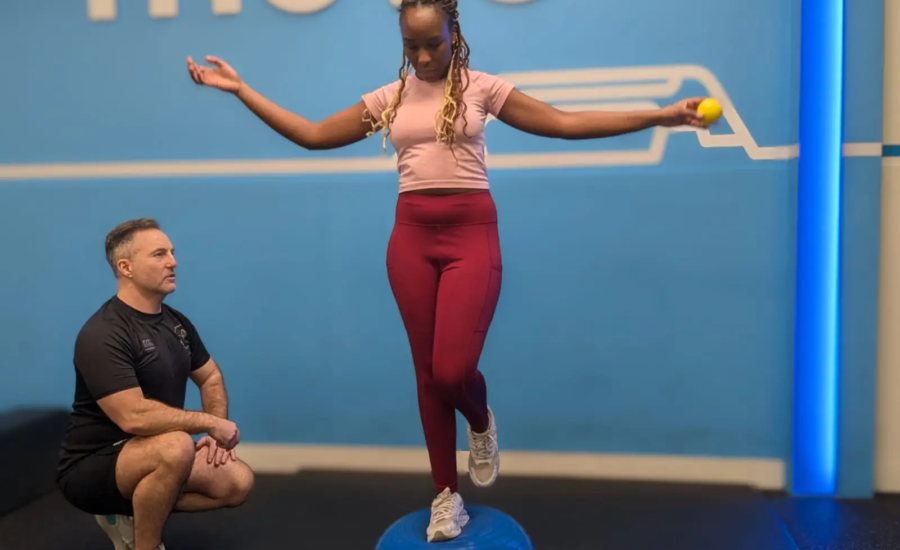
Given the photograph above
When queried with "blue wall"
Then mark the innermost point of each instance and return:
(645, 309)
(861, 229)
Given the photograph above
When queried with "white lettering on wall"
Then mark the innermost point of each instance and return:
(101, 10)
(163, 9)
(301, 6)
(226, 7)
(107, 10)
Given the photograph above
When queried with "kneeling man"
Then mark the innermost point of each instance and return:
(128, 456)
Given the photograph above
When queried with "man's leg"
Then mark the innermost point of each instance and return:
(208, 487)
(90, 486)
(151, 472)
(211, 487)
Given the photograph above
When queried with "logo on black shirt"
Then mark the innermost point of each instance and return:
(182, 337)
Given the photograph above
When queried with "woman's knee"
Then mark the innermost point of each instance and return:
(449, 381)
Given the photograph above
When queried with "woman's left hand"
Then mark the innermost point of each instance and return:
(683, 113)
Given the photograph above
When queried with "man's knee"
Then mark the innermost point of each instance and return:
(240, 484)
(171, 454)
(174, 450)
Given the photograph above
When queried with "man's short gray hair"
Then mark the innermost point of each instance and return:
(118, 241)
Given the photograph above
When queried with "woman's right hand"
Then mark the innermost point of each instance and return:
(222, 76)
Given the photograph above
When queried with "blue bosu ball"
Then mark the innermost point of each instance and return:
(488, 529)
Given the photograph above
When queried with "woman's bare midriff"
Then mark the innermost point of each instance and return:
(450, 191)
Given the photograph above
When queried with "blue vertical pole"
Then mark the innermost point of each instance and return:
(817, 313)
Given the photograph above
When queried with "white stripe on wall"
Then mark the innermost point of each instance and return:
(356, 165)
(762, 473)
(862, 149)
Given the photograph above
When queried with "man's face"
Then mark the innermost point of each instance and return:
(152, 263)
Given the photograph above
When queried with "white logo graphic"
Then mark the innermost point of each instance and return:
(580, 89)
(107, 10)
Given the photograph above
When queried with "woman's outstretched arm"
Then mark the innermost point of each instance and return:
(530, 115)
(338, 130)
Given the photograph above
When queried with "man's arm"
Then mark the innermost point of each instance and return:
(135, 414)
(205, 372)
(213, 396)
(105, 357)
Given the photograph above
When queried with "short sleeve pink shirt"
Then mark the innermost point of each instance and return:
(423, 162)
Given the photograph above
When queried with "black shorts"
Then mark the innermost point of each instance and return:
(90, 485)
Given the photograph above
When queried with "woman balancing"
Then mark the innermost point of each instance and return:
(443, 258)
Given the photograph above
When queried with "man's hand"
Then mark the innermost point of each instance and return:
(225, 433)
(215, 455)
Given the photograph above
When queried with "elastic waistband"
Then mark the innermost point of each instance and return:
(458, 209)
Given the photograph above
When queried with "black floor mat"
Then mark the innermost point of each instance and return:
(845, 524)
(347, 511)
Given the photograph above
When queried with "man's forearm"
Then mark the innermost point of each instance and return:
(213, 396)
(150, 417)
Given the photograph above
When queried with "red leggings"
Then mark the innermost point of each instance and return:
(445, 268)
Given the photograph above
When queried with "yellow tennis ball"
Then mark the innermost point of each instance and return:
(710, 109)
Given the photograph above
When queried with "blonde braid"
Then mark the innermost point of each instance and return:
(453, 105)
(387, 117)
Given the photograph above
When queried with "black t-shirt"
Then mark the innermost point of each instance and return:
(119, 348)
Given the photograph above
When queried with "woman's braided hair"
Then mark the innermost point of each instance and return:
(453, 105)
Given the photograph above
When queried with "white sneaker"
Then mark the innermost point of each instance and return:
(120, 530)
(448, 517)
(484, 455)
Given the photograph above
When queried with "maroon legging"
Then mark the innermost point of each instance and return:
(445, 268)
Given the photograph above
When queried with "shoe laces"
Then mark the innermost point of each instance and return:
(442, 508)
(483, 446)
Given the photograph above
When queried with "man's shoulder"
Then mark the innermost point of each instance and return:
(105, 322)
(176, 313)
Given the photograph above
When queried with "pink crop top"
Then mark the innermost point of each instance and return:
(423, 162)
